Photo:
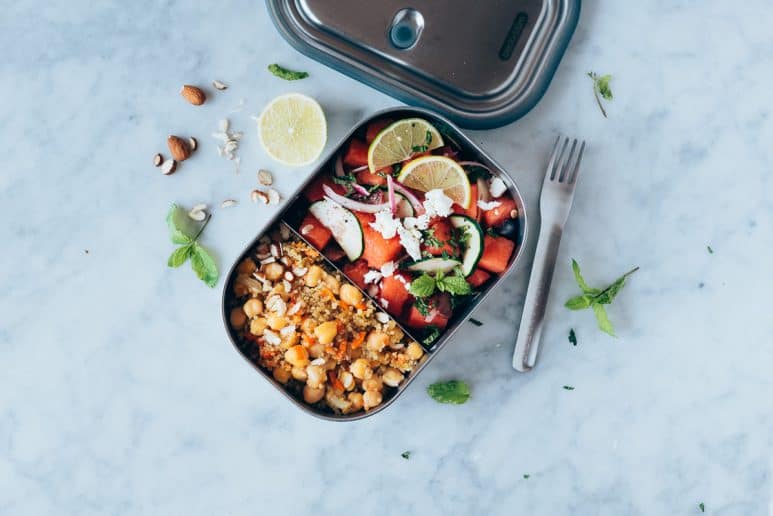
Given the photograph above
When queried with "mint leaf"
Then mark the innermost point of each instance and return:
(605, 324)
(204, 265)
(601, 89)
(578, 303)
(180, 226)
(455, 392)
(433, 333)
(455, 285)
(179, 256)
(580, 280)
(284, 73)
(423, 286)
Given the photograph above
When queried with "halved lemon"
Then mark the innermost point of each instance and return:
(401, 140)
(431, 172)
(293, 129)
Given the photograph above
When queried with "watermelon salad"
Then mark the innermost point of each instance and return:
(412, 222)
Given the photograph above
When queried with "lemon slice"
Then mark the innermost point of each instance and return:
(401, 140)
(432, 172)
(292, 129)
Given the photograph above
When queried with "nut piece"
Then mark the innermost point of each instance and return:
(168, 167)
(265, 178)
(228, 203)
(514, 214)
(257, 195)
(198, 212)
(192, 143)
(193, 94)
(178, 147)
(158, 159)
(273, 196)
(219, 85)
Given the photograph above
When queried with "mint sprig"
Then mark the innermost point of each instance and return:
(180, 230)
(601, 89)
(596, 298)
(425, 285)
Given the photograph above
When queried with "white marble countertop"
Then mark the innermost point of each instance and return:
(120, 393)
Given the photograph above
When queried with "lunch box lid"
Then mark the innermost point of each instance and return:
(482, 64)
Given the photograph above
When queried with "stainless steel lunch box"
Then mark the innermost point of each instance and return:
(482, 64)
(296, 207)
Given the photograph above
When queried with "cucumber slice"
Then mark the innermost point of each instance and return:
(404, 207)
(474, 249)
(344, 226)
(434, 265)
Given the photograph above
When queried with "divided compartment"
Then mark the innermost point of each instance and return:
(297, 207)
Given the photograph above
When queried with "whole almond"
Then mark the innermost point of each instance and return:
(193, 95)
(178, 147)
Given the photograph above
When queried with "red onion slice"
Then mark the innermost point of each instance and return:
(351, 204)
(415, 202)
(339, 166)
(360, 189)
(391, 194)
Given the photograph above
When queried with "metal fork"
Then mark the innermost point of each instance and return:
(555, 203)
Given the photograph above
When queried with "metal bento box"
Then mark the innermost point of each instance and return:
(293, 211)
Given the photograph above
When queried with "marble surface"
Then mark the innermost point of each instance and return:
(119, 393)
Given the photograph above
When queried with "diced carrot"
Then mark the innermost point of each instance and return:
(496, 216)
(394, 292)
(478, 277)
(376, 127)
(356, 271)
(335, 382)
(496, 253)
(472, 211)
(314, 191)
(366, 177)
(358, 340)
(378, 250)
(356, 154)
(439, 238)
(313, 231)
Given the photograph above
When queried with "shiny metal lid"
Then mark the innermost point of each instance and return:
(482, 64)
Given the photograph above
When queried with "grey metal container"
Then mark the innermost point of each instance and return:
(482, 64)
(296, 207)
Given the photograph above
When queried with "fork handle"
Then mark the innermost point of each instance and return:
(530, 330)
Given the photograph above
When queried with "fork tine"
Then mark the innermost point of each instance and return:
(564, 172)
(553, 157)
(572, 177)
(555, 167)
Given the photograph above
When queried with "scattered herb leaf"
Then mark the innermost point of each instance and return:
(595, 298)
(180, 230)
(475, 322)
(526, 476)
(702, 507)
(568, 387)
(601, 89)
(711, 251)
(406, 455)
(474, 173)
(572, 337)
(423, 286)
(433, 332)
(454, 391)
(284, 73)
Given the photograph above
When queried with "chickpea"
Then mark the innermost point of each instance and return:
(326, 332)
(371, 399)
(274, 271)
(297, 356)
(392, 377)
(277, 322)
(376, 340)
(312, 395)
(238, 317)
(315, 376)
(253, 307)
(299, 373)
(373, 384)
(290, 341)
(347, 379)
(247, 266)
(414, 351)
(313, 275)
(355, 398)
(307, 326)
(281, 375)
(350, 295)
(317, 350)
(258, 325)
(332, 283)
(335, 401)
(279, 289)
(361, 370)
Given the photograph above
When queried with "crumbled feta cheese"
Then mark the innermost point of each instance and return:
(388, 269)
(485, 206)
(436, 202)
(371, 277)
(497, 187)
(384, 303)
(386, 224)
(410, 239)
(420, 222)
